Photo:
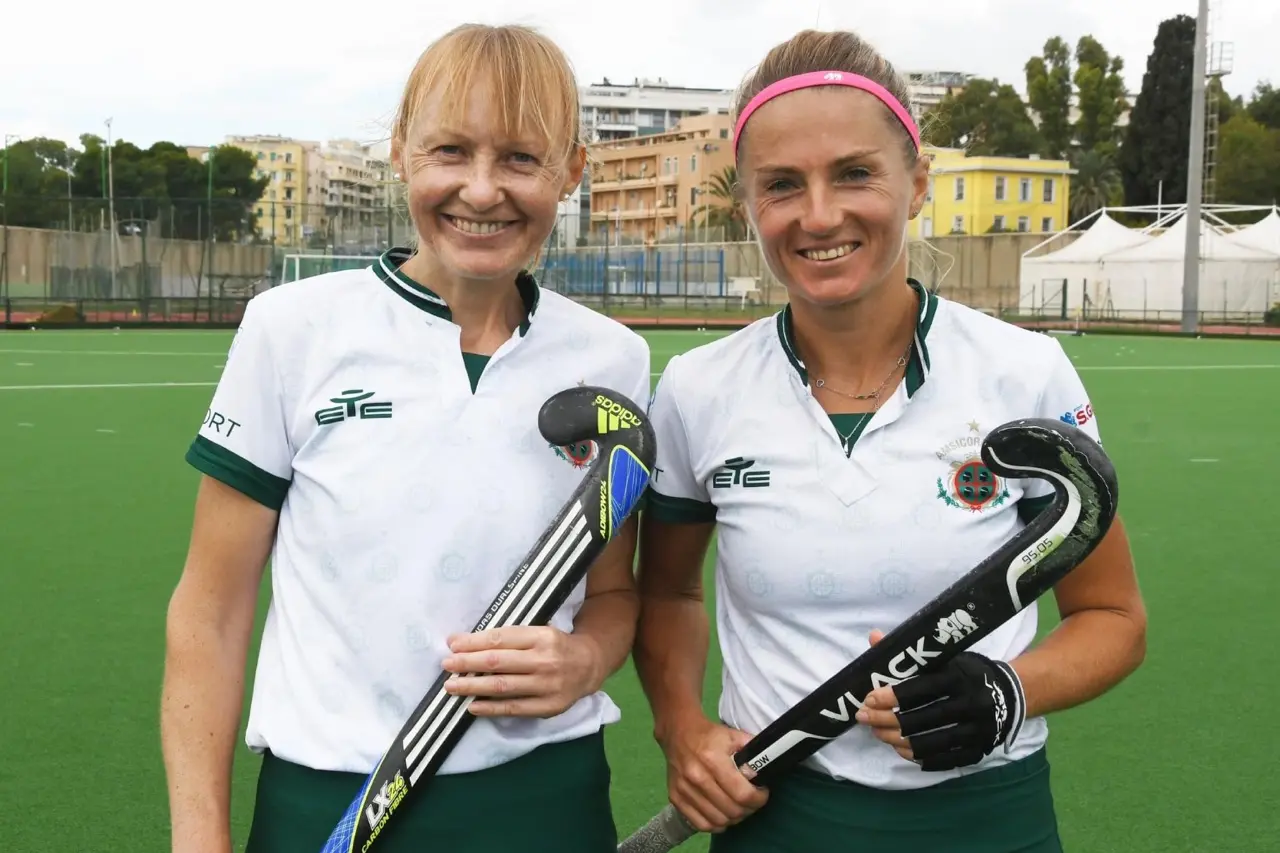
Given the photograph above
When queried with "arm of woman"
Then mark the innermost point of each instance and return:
(1102, 636)
(672, 639)
(209, 625)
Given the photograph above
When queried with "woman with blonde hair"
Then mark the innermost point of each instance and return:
(374, 434)
(833, 449)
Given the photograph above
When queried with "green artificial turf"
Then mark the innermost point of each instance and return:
(96, 505)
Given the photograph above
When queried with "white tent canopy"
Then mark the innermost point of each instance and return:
(1234, 278)
(1043, 277)
(1264, 234)
(1112, 269)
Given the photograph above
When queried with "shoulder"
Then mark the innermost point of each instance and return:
(992, 340)
(297, 304)
(722, 363)
(587, 329)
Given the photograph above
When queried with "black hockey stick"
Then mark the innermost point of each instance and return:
(557, 562)
(989, 595)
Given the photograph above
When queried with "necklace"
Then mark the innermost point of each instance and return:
(874, 395)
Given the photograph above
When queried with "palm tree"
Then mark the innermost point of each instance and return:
(1096, 183)
(726, 212)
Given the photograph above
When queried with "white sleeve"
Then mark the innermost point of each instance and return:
(1063, 398)
(675, 493)
(244, 441)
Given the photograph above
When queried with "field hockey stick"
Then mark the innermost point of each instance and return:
(989, 595)
(612, 486)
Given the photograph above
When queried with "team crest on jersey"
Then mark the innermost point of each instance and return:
(968, 484)
(578, 455)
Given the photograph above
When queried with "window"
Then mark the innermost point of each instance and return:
(1024, 223)
(693, 196)
(273, 156)
(724, 133)
(1048, 190)
(693, 162)
(1046, 224)
(288, 158)
(1000, 188)
(1024, 190)
(999, 223)
(960, 189)
(928, 195)
(288, 194)
(957, 225)
(926, 227)
(288, 213)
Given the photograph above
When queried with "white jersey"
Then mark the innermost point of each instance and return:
(406, 497)
(820, 539)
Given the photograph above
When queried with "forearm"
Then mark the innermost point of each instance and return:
(608, 622)
(671, 658)
(199, 721)
(1090, 652)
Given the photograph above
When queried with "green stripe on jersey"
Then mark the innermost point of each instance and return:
(237, 472)
(678, 510)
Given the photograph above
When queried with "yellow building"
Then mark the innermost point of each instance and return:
(283, 213)
(981, 195)
(645, 187)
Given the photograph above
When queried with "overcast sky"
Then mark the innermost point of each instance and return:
(192, 73)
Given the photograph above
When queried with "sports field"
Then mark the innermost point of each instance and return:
(95, 504)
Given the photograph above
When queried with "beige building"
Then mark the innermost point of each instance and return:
(282, 212)
(645, 188)
(353, 194)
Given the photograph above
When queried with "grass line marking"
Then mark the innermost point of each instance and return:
(108, 385)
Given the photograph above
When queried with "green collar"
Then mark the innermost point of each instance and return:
(387, 268)
(917, 366)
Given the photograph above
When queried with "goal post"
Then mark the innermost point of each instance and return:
(304, 265)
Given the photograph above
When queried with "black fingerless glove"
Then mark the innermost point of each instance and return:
(956, 715)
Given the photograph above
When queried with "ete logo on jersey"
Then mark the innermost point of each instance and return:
(737, 473)
(348, 410)
(969, 484)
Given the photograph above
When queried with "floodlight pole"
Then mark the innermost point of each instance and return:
(1195, 178)
(111, 208)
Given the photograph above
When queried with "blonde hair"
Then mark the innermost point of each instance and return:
(532, 79)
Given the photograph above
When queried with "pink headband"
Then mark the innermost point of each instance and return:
(827, 78)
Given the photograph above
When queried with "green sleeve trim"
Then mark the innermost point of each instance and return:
(237, 472)
(1029, 508)
(678, 510)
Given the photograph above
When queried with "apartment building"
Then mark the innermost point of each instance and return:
(980, 195)
(613, 111)
(645, 188)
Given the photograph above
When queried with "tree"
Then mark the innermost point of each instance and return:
(987, 119)
(1156, 144)
(1264, 106)
(726, 213)
(1100, 97)
(1095, 184)
(1248, 161)
(1049, 94)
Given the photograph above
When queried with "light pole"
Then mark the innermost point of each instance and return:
(4, 254)
(111, 208)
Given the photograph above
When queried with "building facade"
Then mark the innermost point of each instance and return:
(983, 195)
(647, 188)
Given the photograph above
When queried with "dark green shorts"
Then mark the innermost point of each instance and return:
(555, 799)
(1006, 809)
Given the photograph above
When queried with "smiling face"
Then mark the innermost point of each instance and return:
(829, 185)
(482, 193)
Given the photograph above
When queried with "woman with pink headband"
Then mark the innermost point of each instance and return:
(833, 451)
